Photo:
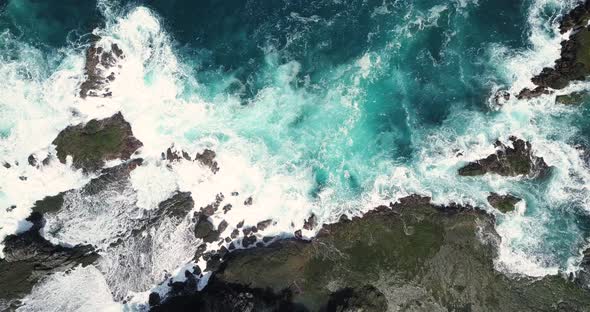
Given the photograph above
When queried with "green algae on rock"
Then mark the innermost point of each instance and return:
(97, 141)
(415, 256)
(504, 203)
(574, 98)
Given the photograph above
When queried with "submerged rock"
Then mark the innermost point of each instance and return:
(99, 66)
(97, 141)
(444, 264)
(504, 203)
(508, 161)
(574, 98)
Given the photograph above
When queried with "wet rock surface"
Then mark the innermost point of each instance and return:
(100, 69)
(408, 256)
(514, 160)
(504, 203)
(574, 61)
(29, 257)
(94, 143)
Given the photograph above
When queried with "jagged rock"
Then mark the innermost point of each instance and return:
(248, 201)
(310, 223)
(576, 18)
(442, 266)
(235, 193)
(249, 241)
(154, 299)
(527, 93)
(29, 257)
(234, 234)
(205, 230)
(262, 225)
(583, 275)
(574, 62)
(227, 208)
(207, 158)
(504, 203)
(508, 161)
(222, 226)
(98, 69)
(97, 141)
(32, 160)
(6, 165)
(240, 224)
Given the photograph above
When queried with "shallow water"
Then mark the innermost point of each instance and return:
(328, 107)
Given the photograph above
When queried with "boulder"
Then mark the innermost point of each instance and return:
(504, 203)
(98, 141)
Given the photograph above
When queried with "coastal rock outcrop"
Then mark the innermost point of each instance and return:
(411, 255)
(29, 257)
(100, 69)
(574, 61)
(504, 203)
(514, 160)
(97, 141)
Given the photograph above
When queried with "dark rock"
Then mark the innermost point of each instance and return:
(11, 208)
(508, 161)
(213, 263)
(367, 298)
(248, 241)
(248, 230)
(222, 226)
(574, 61)
(583, 275)
(310, 223)
(222, 252)
(98, 64)
(154, 299)
(231, 246)
(444, 266)
(22, 178)
(262, 225)
(235, 233)
(504, 203)
(186, 156)
(501, 96)
(227, 208)
(217, 297)
(200, 250)
(172, 155)
(196, 270)
(298, 234)
(97, 141)
(576, 18)
(227, 239)
(527, 93)
(240, 224)
(32, 160)
(248, 201)
(204, 230)
(235, 193)
(29, 257)
(207, 158)
(6, 165)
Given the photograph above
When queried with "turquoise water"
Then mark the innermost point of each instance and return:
(351, 103)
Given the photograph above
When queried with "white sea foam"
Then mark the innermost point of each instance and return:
(81, 289)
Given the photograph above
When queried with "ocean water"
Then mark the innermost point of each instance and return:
(324, 107)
